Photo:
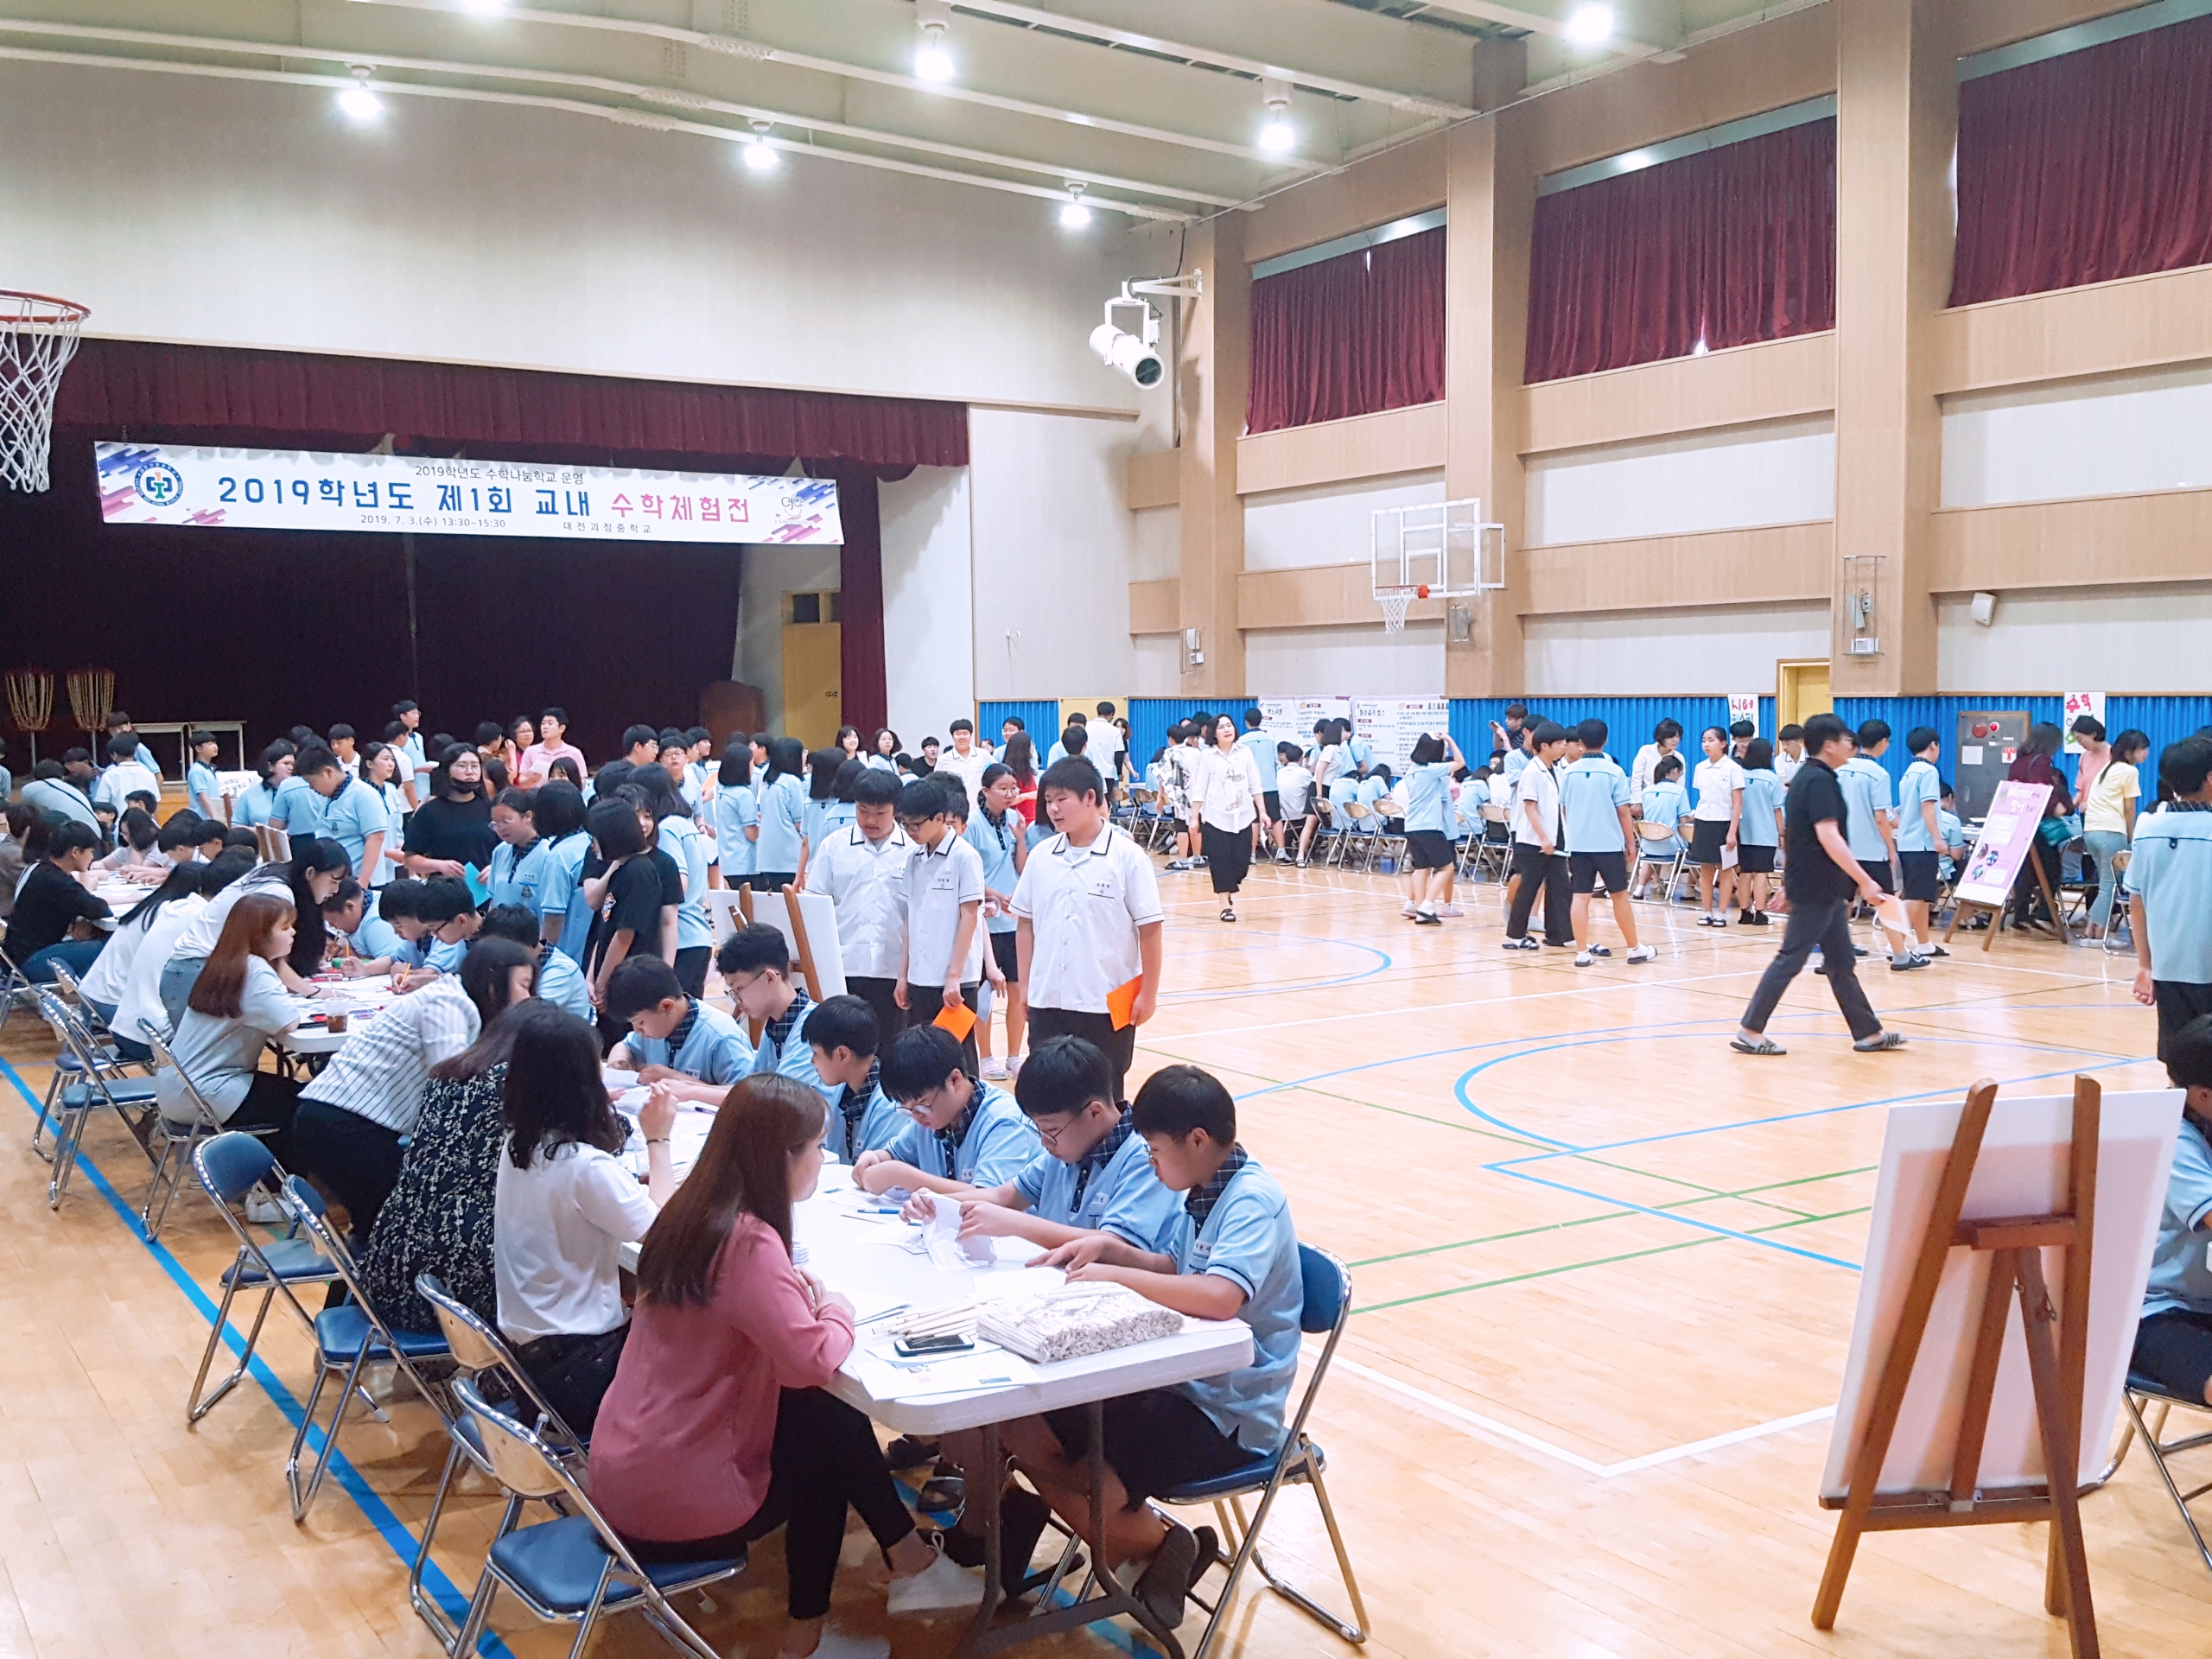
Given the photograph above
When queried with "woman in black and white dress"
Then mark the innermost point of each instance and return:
(1228, 801)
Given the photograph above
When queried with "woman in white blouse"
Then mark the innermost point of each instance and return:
(1228, 801)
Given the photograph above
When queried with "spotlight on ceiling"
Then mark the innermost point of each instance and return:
(1074, 216)
(932, 59)
(1590, 25)
(1277, 135)
(759, 154)
(484, 7)
(359, 100)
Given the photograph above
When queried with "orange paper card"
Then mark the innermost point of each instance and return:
(1121, 1004)
(958, 1020)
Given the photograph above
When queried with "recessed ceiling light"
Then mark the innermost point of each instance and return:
(359, 100)
(1590, 25)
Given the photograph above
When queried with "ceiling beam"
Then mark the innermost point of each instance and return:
(1640, 27)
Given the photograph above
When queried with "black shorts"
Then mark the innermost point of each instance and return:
(1273, 805)
(1878, 874)
(1009, 958)
(1706, 840)
(1155, 1441)
(1583, 870)
(1754, 861)
(1428, 849)
(1923, 874)
(2173, 1348)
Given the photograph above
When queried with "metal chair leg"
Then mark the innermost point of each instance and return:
(1354, 1632)
(69, 1128)
(2159, 1451)
(427, 1609)
(302, 1499)
(195, 1407)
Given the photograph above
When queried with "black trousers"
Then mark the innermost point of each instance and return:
(1535, 870)
(691, 967)
(825, 1460)
(1228, 855)
(574, 1372)
(1119, 1047)
(2179, 1002)
(1825, 923)
(270, 1102)
(925, 1002)
(2027, 897)
(881, 995)
(353, 1159)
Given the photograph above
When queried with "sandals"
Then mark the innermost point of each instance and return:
(1229, 913)
(1763, 1045)
(1880, 1042)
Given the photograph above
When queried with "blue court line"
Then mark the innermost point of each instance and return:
(1382, 965)
(372, 1507)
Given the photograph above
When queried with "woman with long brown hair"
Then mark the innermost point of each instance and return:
(237, 1005)
(718, 1429)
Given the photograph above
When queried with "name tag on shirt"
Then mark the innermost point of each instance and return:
(1201, 1249)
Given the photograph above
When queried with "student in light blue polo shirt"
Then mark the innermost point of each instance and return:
(735, 812)
(962, 1134)
(783, 812)
(1865, 784)
(675, 1037)
(353, 814)
(1262, 745)
(2169, 879)
(563, 914)
(1430, 847)
(256, 800)
(2173, 1342)
(1758, 835)
(1665, 802)
(1233, 1253)
(755, 965)
(1095, 1173)
(296, 808)
(1920, 833)
(841, 1034)
(694, 936)
(203, 790)
(559, 981)
(373, 944)
(516, 875)
(1595, 825)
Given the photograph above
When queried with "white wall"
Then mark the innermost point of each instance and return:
(1357, 662)
(2150, 639)
(245, 214)
(1327, 523)
(770, 572)
(1634, 654)
(1055, 551)
(1159, 665)
(929, 622)
(1776, 473)
(2116, 436)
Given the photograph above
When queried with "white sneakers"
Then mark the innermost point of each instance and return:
(942, 1587)
(994, 1070)
(1639, 953)
(1644, 953)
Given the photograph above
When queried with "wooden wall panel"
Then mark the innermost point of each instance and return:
(1394, 184)
(1156, 606)
(2105, 327)
(1332, 451)
(1325, 596)
(1773, 380)
(1766, 565)
(1154, 480)
(2094, 541)
(1986, 24)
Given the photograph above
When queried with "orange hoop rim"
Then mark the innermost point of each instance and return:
(71, 310)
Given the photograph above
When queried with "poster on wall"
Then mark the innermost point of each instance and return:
(2078, 704)
(1392, 725)
(1744, 705)
(1291, 720)
(2006, 835)
(301, 489)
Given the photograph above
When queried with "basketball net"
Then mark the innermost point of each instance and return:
(1394, 601)
(38, 336)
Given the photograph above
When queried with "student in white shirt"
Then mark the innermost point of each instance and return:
(965, 760)
(1666, 738)
(1294, 790)
(1790, 756)
(563, 1206)
(105, 984)
(1717, 820)
(1181, 761)
(1539, 862)
(862, 869)
(941, 904)
(1229, 799)
(1088, 915)
(126, 774)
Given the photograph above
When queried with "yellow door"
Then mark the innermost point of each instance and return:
(814, 700)
(1801, 691)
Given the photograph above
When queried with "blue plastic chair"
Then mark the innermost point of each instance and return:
(347, 1339)
(1328, 1304)
(2141, 1392)
(86, 1080)
(573, 1568)
(229, 1168)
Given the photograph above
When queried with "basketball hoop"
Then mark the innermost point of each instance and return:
(38, 336)
(1396, 602)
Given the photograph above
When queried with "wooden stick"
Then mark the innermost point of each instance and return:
(1982, 1378)
(2057, 1418)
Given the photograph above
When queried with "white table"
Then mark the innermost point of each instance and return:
(360, 999)
(864, 1259)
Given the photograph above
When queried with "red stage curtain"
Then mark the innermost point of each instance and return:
(119, 383)
(2087, 166)
(1350, 335)
(1727, 246)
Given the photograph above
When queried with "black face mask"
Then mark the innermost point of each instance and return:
(455, 791)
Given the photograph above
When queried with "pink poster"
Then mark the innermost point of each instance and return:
(2007, 833)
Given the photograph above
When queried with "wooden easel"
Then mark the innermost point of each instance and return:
(1996, 912)
(2015, 1243)
(798, 937)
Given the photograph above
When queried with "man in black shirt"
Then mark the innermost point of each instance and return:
(52, 901)
(1820, 878)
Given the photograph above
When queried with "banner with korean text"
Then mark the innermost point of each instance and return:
(298, 489)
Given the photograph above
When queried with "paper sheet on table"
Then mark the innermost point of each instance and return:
(961, 1374)
(616, 1079)
(958, 1020)
(945, 1250)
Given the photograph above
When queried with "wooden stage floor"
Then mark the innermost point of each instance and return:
(1604, 1269)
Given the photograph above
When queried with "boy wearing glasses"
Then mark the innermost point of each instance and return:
(965, 1136)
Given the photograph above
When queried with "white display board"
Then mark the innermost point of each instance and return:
(1393, 725)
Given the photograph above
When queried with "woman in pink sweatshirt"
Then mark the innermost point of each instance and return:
(718, 1428)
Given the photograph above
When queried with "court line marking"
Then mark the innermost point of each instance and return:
(371, 1503)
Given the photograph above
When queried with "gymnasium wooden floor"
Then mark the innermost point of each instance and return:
(1605, 1271)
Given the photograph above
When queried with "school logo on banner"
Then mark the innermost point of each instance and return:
(158, 483)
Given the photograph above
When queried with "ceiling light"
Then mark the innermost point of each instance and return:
(1277, 135)
(484, 7)
(1590, 25)
(759, 154)
(932, 61)
(359, 100)
(1074, 216)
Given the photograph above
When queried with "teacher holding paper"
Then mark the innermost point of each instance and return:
(1087, 922)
